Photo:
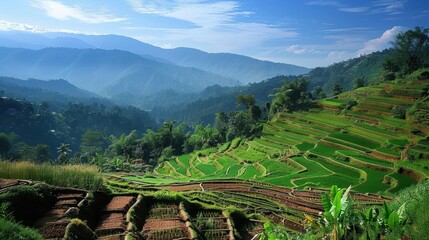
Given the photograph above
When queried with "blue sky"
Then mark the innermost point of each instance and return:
(303, 32)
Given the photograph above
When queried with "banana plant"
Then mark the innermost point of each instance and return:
(370, 223)
(336, 204)
(273, 232)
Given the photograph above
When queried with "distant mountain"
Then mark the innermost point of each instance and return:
(241, 68)
(367, 67)
(60, 86)
(106, 72)
(203, 110)
(245, 69)
(172, 99)
(57, 93)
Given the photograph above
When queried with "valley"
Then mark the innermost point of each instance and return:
(193, 120)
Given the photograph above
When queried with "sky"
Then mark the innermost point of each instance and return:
(308, 33)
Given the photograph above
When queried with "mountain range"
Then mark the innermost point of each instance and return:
(231, 66)
(105, 72)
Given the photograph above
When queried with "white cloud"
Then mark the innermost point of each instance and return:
(299, 50)
(60, 11)
(214, 23)
(381, 42)
(198, 12)
(338, 56)
(354, 9)
(391, 7)
(325, 3)
(13, 26)
(228, 37)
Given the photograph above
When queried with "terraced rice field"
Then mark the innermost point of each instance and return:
(321, 147)
(277, 177)
(283, 205)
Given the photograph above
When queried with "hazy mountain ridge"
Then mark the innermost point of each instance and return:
(57, 93)
(241, 68)
(59, 85)
(107, 72)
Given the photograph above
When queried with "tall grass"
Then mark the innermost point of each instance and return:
(78, 176)
(12, 230)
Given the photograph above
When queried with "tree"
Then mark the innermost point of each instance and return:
(91, 142)
(169, 126)
(254, 112)
(42, 153)
(5, 144)
(123, 144)
(247, 100)
(391, 67)
(21, 151)
(63, 153)
(267, 110)
(337, 89)
(411, 48)
(358, 83)
(221, 124)
(290, 96)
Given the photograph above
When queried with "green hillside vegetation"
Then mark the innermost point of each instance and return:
(31, 124)
(369, 68)
(364, 146)
(215, 99)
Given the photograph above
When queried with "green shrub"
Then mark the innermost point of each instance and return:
(10, 230)
(27, 203)
(415, 200)
(78, 230)
(399, 111)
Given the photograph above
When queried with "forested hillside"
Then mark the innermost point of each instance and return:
(30, 124)
(369, 68)
(204, 109)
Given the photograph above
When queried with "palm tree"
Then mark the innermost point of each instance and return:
(63, 150)
(169, 126)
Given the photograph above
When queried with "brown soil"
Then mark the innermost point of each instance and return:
(5, 184)
(156, 224)
(54, 230)
(410, 174)
(113, 237)
(120, 203)
(287, 223)
(384, 156)
(164, 218)
(113, 221)
(53, 224)
(326, 106)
